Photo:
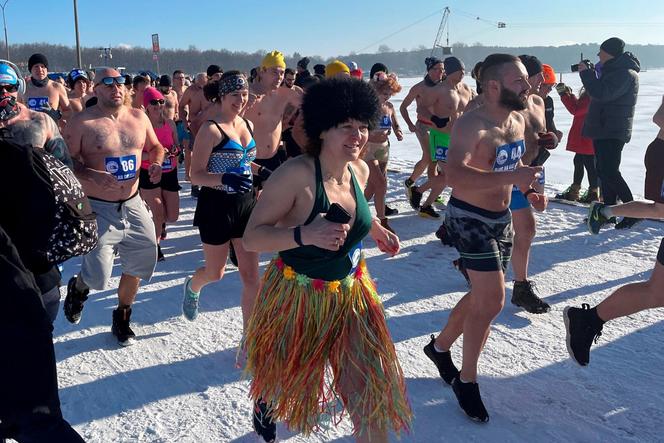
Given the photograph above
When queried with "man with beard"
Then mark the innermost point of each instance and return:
(483, 164)
(42, 94)
(191, 107)
(267, 106)
(106, 143)
(170, 97)
(450, 101)
(29, 128)
(538, 142)
(424, 98)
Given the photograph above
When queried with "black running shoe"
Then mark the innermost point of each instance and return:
(458, 265)
(231, 254)
(195, 190)
(468, 395)
(121, 329)
(263, 424)
(160, 255)
(163, 232)
(596, 219)
(73, 306)
(443, 361)
(627, 222)
(582, 329)
(414, 198)
(390, 211)
(523, 295)
(428, 211)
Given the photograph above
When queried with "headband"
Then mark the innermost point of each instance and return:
(232, 83)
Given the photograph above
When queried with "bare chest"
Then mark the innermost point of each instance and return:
(37, 98)
(106, 138)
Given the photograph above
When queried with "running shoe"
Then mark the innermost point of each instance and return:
(595, 217)
(439, 200)
(523, 295)
(591, 195)
(384, 223)
(468, 395)
(160, 255)
(163, 232)
(195, 190)
(627, 223)
(583, 327)
(428, 212)
(414, 198)
(443, 361)
(74, 300)
(121, 329)
(189, 301)
(263, 424)
(390, 211)
(571, 193)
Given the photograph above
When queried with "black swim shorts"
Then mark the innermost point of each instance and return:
(220, 216)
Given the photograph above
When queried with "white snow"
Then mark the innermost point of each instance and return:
(179, 383)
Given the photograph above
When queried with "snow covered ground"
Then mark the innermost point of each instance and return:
(179, 383)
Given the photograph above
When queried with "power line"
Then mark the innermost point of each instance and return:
(439, 11)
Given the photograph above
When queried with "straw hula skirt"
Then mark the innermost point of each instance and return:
(302, 327)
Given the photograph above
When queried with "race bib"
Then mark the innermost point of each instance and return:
(37, 103)
(354, 255)
(441, 153)
(167, 165)
(508, 156)
(123, 168)
(541, 179)
(385, 122)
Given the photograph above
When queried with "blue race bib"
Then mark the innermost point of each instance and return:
(123, 168)
(441, 153)
(354, 255)
(167, 165)
(37, 103)
(508, 156)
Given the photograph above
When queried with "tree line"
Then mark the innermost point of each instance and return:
(405, 63)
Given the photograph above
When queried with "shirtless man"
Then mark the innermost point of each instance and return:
(424, 99)
(450, 102)
(27, 127)
(214, 72)
(537, 139)
(170, 96)
(106, 143)
(139, 84)
(268, 104)
(191, 107)
(482, 165)
(179, 86)
(79, 85)
(42, 94)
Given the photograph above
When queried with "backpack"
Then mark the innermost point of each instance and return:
(50, 205)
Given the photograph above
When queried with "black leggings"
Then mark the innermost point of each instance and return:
(586, 161)
(608, 153)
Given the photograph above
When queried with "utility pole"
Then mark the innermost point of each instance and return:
(5, 23)
(78, 41)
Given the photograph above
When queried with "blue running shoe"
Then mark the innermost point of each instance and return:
(595, 218)
(189, 301)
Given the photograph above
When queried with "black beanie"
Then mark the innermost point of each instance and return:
(165, 80)
(532, 64)
(378, 67)
(36, 59)
(303, 63)
(214, 69)
(613, 46)
(452, 65)
(431, 62)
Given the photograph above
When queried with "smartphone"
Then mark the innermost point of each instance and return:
(337, 214)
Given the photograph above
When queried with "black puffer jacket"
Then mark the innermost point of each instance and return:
(612, 98)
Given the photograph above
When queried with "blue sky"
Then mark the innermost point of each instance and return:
(331, 28)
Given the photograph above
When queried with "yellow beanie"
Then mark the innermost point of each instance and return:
(336, 67)
(274, 59)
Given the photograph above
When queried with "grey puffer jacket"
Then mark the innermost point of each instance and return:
(612, 98)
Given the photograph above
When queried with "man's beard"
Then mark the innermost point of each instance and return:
(511, 100)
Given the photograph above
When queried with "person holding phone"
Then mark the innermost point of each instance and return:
(318, 305)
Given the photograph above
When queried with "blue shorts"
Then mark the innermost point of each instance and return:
(519, 201)
(183, 134)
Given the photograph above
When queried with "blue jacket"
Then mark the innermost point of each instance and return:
(612, 98)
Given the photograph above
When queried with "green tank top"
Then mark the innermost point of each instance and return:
(324, 264)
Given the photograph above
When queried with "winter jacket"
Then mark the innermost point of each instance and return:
(612, 98)
(578, 107)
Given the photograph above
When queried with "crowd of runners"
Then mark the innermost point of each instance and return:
(286, 161)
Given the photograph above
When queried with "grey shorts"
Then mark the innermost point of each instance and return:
(127, 227)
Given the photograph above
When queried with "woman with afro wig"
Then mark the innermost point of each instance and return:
(317, 343)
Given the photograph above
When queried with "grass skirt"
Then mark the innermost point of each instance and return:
(301, 327)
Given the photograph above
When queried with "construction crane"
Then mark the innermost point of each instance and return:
(444, 26)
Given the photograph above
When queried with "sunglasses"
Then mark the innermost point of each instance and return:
(9, 88)
(157, 102)
(108, 81)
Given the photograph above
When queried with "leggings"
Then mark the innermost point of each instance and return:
(586, 161)
(608, 154)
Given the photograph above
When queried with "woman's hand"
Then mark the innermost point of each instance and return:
(386, 240)
(324, 234)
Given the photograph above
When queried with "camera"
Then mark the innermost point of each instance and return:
(588, 63)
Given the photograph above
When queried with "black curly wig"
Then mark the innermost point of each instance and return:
(335, 101)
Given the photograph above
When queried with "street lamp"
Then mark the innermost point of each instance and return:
(5, 23)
